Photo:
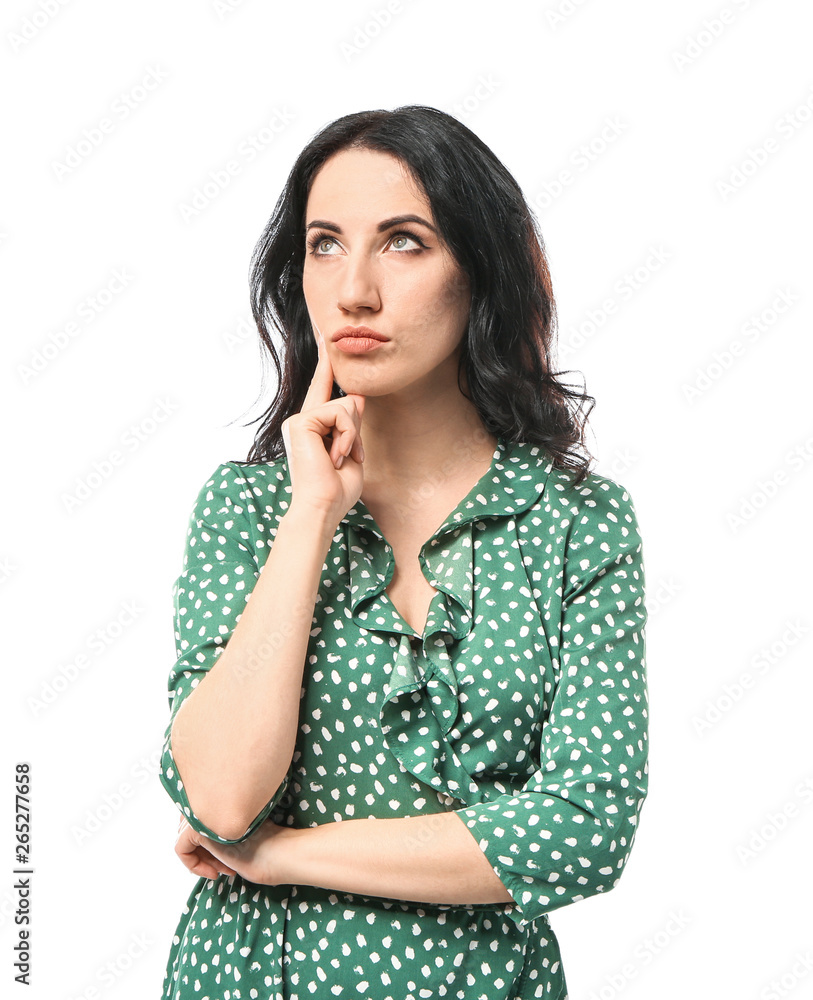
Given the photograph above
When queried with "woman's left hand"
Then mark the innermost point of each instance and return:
(258, 859)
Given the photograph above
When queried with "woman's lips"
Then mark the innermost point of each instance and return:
(358, 345)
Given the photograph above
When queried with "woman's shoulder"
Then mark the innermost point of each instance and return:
(595, 496)
(556, 489)
(595, 517)
(239, 488)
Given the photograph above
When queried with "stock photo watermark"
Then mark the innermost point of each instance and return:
(762, 663)
(578, 162)
(109, 973)
(225, 7)
(751, 331)
(563, 11)
(621, 461)
(34, 23)
(88, 310)
(777, 821)
(97, 642)
(366, 33)
(710, 31)
(119, 111)
(143, 771)
(483, 90)
(246, 152)
(624, 288)
(7, 569)
(765, 490)
(409, 503)
(788, 980)
(660, 595)
(131, 440)
(643, 956)
(757, 156)
(241, 332)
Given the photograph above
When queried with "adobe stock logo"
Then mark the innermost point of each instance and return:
(727, 357)
(89, 309)
(119, 111)
(761, 664)
(130, 441)
(365, 34)
(35, 22)
(644, 954)
(222, 176)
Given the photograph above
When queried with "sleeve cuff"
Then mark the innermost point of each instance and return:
(528, 905)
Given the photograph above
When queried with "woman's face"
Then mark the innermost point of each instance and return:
(399, 280)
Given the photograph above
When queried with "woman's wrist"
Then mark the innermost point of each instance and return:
(312, 512)
(310, 522)
(292, 860)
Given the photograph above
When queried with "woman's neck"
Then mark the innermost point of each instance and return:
(422, 443)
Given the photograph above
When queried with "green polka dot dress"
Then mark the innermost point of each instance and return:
(523, 707)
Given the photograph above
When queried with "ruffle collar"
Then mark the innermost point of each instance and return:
(418, 705)
(514, 481)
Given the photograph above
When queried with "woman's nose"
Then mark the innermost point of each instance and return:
(358, 286)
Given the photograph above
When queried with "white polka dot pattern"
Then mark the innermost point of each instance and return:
(523, 707)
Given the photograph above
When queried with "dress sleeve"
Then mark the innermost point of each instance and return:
(567, 833)
(220, 569)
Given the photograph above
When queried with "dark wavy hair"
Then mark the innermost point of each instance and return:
(488, 227)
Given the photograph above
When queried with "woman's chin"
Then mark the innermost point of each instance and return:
(359, 386)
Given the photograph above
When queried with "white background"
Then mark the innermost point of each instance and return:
(699, 189)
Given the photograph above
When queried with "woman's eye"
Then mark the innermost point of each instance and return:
(321, 243)
(398, 242)
(399, 237)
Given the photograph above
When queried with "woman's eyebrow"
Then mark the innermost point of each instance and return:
(396, 220)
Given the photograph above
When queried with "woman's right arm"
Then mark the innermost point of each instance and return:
(233, 737)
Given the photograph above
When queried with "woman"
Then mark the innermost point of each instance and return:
(427, 728)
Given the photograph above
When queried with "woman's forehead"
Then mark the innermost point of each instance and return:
(378, 181)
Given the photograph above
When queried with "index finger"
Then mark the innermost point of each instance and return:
(322, 382)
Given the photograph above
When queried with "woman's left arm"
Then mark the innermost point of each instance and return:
(429, 858)
(568, 832)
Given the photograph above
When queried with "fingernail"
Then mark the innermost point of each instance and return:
(361, 449)
(339, 462)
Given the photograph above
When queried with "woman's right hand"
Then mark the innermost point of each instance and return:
(319, 480)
